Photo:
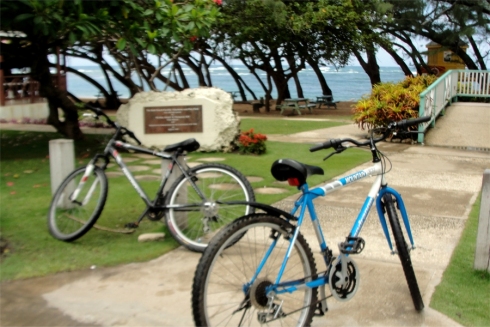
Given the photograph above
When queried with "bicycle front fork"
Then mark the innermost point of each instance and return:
(401, 207)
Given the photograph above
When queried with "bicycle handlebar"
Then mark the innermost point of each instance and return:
(124, 131)
(405, 123)
(410, 122)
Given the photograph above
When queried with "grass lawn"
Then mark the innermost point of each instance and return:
(28, 250)
(284, 126)
(464, 293)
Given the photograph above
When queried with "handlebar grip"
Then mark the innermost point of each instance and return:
(326, 145)
(412, 122)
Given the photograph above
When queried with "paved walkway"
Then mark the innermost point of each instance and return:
(439, 185)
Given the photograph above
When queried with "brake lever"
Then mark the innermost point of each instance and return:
(338, 149)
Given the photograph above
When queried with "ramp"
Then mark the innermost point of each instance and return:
(465, 125)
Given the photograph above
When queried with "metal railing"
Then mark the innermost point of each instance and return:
(447, 89)
(22, 88)
(18, 87)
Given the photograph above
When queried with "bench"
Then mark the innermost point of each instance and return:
(295, 105)
(326, 100)
(308, 106)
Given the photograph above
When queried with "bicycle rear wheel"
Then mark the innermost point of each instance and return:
(69, 220)
(403, 252)
(200, 216)
(225, 291)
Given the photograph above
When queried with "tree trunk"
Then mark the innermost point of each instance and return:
(321, 79)
(371, 66)
(478, 55)
(57, 99)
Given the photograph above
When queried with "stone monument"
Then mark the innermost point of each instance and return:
(162, 118)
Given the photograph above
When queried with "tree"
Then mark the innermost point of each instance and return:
(287, 35)
(133, 26)
(449, 23)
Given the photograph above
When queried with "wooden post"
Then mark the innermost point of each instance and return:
(482, 252)
(61, 161)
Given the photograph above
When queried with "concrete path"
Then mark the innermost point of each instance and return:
(439, 185)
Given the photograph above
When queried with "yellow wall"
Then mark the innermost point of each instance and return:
(443, 57)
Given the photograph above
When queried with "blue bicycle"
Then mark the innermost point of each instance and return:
(261, 270)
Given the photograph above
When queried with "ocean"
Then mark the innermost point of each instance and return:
(349, 83)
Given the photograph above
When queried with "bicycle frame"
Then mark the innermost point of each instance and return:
(305, 202)
(111, 150)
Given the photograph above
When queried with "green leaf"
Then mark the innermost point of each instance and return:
(125, 12)
(72, 38)
(148, 12)
(175, 10)
(133, 50)
(152, 49)
(141, 42)
(83, 29)
(121, 44)
(22, 17)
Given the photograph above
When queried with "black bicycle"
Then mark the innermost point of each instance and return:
(200, 201)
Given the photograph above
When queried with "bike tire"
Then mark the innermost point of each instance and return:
(222, 279)
(403, 252)
(194, 227)
(68, 220)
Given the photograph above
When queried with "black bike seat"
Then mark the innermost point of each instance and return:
(188, 145)
(283, 169)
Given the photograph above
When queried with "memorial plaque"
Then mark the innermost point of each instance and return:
(173, 119)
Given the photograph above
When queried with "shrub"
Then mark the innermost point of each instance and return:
(391, 102)
(251, 142)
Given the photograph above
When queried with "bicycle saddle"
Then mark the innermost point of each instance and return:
(188, 145)
(285, 169)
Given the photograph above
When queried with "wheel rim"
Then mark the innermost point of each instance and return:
(233, 267)
(69, 218)
(196, 226)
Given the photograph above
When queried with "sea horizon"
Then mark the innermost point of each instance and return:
(349, 83)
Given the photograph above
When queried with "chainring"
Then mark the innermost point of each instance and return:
(156, 214)
(344, 290)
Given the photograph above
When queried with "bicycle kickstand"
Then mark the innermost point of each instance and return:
(137, 223)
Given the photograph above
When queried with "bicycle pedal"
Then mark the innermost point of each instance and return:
(131, 225)
(352, 245)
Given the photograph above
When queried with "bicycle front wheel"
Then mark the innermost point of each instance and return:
(403, 252)
(198, 205)
(68, 218)
(229, 288)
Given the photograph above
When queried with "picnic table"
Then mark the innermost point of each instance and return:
(297, 104)
(326, 100)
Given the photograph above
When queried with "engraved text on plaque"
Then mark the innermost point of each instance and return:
(173, 119)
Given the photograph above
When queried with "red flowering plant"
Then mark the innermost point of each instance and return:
(251, 142)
